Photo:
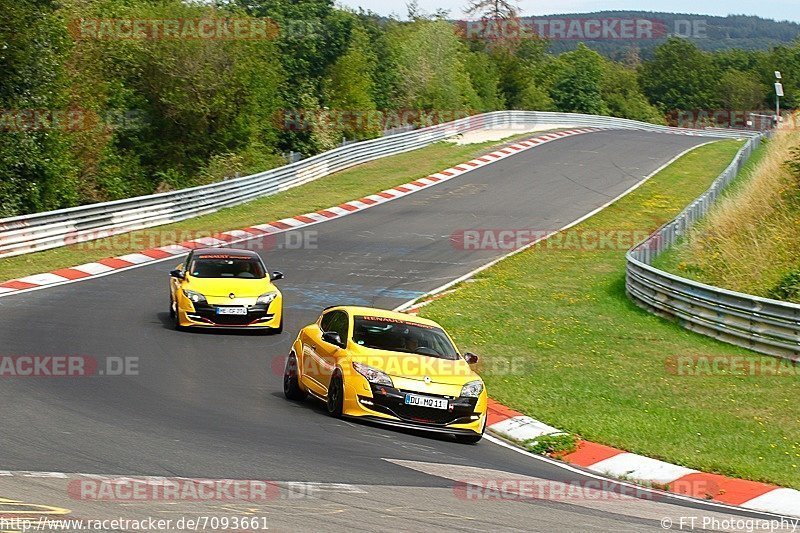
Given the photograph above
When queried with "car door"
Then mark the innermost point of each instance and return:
(314, 349)
(331, 353)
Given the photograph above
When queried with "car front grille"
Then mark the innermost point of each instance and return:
(392, 402)
(209, 312)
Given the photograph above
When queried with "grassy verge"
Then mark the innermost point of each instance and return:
(344, 186)
(561, 342)
(748, 242)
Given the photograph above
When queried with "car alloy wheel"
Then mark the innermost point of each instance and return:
(336, 396)
(291, 381)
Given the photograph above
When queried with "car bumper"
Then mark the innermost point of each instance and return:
(255, 319)
(385, 405)
(402, 424)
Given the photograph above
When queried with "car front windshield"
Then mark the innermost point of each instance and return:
(397, 335)
(226, 266)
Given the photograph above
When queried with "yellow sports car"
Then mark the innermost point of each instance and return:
(389, 368)
(222, 288)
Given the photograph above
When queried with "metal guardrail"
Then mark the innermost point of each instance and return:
(41, 231)
(767, 326)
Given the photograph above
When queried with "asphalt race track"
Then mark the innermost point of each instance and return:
(210, 404)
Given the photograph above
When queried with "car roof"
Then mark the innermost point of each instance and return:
(227, 251)
(383, 313)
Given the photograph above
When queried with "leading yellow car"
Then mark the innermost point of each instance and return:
(389, 368)
(225, 288)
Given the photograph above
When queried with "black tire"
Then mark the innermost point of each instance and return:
(336, 396)
(469, 439)
(171, 309)
(291, 382)
(279, 329)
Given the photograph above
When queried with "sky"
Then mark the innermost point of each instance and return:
(775, 9)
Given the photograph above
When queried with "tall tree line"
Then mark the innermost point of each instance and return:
(85, 120)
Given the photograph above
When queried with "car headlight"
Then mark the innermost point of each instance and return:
(195, 297)
(373, 375)
(267, 298)
(473, 389)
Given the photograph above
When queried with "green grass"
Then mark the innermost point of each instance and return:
(585, 359)
(332, 190)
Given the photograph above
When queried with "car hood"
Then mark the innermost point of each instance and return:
(416, 367)
(222, 287)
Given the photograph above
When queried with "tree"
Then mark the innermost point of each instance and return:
(741, 91)
(621, 93)
(349, 88)
(513, 75)
(431, 68)
(485, 80)
(492, 9)
(535, 98)
(37, 170)
(680, 77)
(578, 85)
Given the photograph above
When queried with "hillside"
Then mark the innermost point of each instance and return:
(721, 33)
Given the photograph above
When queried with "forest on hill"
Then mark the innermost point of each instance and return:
(101, 99)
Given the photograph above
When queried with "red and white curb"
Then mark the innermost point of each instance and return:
(612, 462)
(112, 265)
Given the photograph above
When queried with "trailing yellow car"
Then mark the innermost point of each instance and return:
(225, 288)
(389, 368)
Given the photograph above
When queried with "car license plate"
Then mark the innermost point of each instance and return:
(231, 310)
(426, 401)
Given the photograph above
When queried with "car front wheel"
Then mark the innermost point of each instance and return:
(291, 381)
(336, 396)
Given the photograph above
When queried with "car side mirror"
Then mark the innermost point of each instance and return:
(331, 337)
(470, 358)
(277, 275)
(177, 274)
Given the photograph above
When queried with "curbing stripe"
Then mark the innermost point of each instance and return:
(93, 269)
(136, 258)
(70, 273)
(639, 467)
(16, 285)
(776, 501)
(114, 263)
(155, 253)
(589, 453)
(42, 279)
(523, 428)
(721, 488)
